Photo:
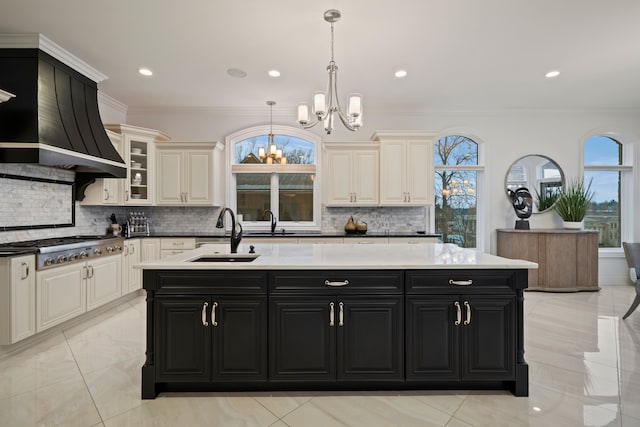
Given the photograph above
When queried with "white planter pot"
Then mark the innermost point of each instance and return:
(570, 225)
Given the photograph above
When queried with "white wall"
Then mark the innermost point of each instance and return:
(506, 135)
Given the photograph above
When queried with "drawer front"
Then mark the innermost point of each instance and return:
(180, 244)
(465, 281)
(338, 282)
(209, 282)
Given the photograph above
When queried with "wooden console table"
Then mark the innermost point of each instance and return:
(567, 259)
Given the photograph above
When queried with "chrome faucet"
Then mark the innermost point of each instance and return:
(273, 220)
(235, 237)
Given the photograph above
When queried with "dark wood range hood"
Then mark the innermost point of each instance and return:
(53, 119)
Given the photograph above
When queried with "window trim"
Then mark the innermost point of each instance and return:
(234, 168)
(481, 191)
(627, 177)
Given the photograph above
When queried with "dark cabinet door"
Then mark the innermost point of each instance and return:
(433, 338)
(183, 341)
(370, 338)
(489, 337)
(302, 339)
(239, 338)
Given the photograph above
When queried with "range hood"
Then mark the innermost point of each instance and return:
(53, 120)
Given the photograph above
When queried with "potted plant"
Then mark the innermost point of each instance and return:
(573, 202)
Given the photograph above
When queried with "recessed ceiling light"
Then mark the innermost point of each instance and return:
(401, 73)
(274, 73)
(145, 72)
(237, 73)
(552, 74)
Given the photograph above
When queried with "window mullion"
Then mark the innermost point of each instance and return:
(275, 194)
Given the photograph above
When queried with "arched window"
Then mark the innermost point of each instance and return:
(257, 184)
(457, 175)
(607, 171)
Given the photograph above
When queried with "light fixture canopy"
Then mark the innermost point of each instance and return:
(326, 104)
(272, 154)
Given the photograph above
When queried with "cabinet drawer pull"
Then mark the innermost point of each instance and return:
(330, 283)
(468, 307)
(331, 315)
(106, 194)
(341, 315)
(213, 314)
(458, 313)
(204, 314)
(26, 270)
(460, 282)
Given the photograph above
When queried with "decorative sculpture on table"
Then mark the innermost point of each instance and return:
(522, 203)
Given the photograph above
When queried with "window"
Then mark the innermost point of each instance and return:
(604, 168)
(289, 190)
(457, 174)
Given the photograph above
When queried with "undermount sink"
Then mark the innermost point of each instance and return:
(270, 234)
(226, 258)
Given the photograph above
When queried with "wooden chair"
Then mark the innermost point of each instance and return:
(632, 252)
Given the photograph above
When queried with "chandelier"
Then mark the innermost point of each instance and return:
(459, 188)
(326, 104)
(272, 154)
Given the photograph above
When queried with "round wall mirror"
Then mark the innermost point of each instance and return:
(541, 175)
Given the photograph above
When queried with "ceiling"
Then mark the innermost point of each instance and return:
(460, 55)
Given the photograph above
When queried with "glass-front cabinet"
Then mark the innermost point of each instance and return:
(139, 187)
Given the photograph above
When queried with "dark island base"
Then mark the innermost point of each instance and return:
(151, 389)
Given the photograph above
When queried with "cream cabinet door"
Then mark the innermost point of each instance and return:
(198, 177)
(169, 178)
(406, 172)
(104, 280)
(339, 179)
(419, 173)
(17, 298)
(150, 249)
(392, 173)
(131, 277)
(352, 177)
(107, 191)
(60, 295)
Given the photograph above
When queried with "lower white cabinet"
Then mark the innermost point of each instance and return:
(17, 298)
(131, 277)
(65, 292)
(173, 246)
(150, 249)
(104, 280)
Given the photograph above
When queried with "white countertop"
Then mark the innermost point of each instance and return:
(291, 256)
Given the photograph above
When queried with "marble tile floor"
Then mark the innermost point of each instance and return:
(584, 370)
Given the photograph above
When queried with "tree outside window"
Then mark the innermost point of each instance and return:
(456, 177)
(603, 168)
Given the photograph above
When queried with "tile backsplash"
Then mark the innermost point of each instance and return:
(94, 220)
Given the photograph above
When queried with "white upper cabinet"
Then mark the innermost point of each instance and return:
(139, 150)
(351, 176)
(406, 168)
(185, 173)
(107, 191)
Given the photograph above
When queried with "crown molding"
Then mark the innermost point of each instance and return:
(39, 41)
(111, 102)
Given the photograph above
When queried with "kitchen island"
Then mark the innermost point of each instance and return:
(334, 317)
